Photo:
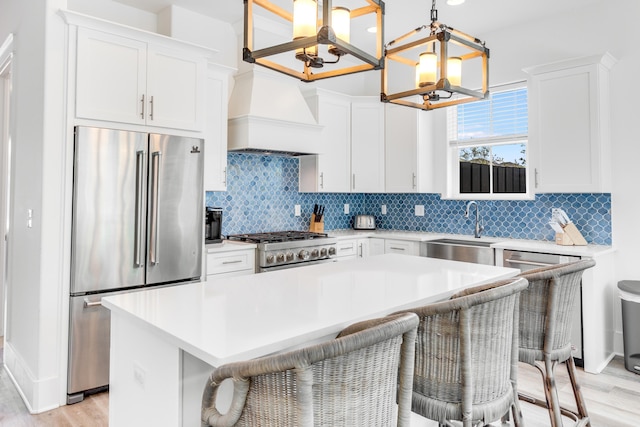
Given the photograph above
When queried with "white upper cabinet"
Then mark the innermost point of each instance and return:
(569, 125)
(351, 157)
(215, 152)
(130, 80)
(411, 151)
(329, 171)
(367, 145)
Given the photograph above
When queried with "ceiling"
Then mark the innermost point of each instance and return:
(475, 17)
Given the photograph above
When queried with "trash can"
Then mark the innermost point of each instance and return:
(630, 297)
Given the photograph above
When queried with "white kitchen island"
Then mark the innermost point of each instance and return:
(164, 342)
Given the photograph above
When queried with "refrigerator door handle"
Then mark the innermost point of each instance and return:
(139, 208)
(155, 195)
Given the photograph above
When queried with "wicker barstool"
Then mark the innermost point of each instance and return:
(350, 381)
(546, 310)
(467, 356)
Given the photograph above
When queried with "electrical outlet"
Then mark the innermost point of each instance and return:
(419, 210)
(346, 208)
(383, 209)
(297, 210)
(139, 374)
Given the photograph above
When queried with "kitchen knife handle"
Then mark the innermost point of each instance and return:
(139, 208)
(155, 201)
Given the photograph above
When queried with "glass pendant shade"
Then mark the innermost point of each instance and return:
(341, 23)
(428, 67)
(305, 17)
(454, 71)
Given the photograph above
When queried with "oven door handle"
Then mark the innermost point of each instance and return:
(534, 263)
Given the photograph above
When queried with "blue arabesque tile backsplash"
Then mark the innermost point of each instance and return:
(262, 192)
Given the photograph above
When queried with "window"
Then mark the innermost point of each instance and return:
(488, 144)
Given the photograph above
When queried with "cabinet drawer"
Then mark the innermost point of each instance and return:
(347, 248)
(401, 247)
(221, 263)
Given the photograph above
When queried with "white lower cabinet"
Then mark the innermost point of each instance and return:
(353, 248)
(404, 247)
(230, 263)
(376, 246)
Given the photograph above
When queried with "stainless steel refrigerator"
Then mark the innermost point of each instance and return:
(137, 222)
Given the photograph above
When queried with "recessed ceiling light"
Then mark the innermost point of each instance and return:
(454, 2)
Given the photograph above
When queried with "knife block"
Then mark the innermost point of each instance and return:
(570, 237)
(316, 227)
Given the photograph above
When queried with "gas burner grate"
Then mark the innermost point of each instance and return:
(277, 236)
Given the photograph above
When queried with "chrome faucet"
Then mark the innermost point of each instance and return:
(479, 227)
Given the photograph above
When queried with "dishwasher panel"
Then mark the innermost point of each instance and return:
(528, 261)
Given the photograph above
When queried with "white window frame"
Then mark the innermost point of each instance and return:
(453, 162)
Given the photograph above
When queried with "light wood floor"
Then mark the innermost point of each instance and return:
(613, 400)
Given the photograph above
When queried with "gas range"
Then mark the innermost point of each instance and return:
(285, 249)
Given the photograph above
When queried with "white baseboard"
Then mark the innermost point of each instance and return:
(39, 395)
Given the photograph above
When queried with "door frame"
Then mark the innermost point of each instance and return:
(6, 105)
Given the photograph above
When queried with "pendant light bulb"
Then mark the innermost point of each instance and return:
(454, 71)
(428, 66)
(305, 17)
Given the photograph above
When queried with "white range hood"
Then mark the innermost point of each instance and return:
(268, 114)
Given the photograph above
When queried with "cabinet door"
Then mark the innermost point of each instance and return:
(215, 147)
(110, 77)
(376, 246)
(175, 82)
(367, 146)
(333, 163)
(569, 133)
(401, 149)
(363, 248)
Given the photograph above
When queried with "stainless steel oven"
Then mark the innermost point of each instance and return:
(288, 249)
(530, 260)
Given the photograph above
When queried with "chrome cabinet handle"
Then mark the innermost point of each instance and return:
(321, 179)
(396, 249)
(360, 250)
(155, 196)
(414, 180)
(224, 176)
(151, 108)
(536, 177)
(137, 239)
(354, 181)
(88, 303)
(237, 261)
(142, 107)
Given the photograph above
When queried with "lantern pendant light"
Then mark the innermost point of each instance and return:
(437, 72)
(313, 25)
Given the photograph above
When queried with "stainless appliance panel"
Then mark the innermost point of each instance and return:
(89, 338)
(530, 260)
(175, 206)
(108, 210)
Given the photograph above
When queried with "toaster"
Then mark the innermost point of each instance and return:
(364, 222)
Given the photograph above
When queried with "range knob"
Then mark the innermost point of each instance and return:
(323, 252)
(314, 253)
(270, 259)
(303, 255)
(332, 251)
(280, 258)
(290, 256)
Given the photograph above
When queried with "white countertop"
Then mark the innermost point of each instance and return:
(229, 246)
(238, 318)
(496, 242)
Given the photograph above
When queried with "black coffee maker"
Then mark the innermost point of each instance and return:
(213, 225)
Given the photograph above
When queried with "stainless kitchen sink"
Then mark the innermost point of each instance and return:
(476, 251)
